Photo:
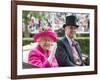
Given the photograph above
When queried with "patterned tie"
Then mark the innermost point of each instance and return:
(75, 53)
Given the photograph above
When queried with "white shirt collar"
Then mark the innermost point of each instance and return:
(69, 40)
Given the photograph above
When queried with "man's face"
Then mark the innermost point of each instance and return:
(45, 42)
(70, 31)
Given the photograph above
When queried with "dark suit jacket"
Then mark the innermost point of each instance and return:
(64, 53)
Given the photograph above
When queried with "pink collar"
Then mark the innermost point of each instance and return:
(42, 51)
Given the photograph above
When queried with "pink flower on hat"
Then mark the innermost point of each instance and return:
(46, 31)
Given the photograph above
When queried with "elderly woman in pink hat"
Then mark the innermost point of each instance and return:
(41, 55)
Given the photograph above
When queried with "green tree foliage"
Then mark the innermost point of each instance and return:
(25, 21)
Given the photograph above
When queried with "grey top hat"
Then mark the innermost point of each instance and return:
(70, 21)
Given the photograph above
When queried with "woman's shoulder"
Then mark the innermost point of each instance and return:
(34, 51)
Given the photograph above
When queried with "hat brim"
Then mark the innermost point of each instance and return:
(52, 35)
(70, 25)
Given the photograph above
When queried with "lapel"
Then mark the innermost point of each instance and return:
(68, 48)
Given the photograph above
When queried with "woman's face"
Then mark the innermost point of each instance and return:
(45, 42)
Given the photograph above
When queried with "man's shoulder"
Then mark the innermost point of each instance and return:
(60, 42)
(76, 42)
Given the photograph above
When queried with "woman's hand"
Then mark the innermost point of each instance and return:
(52, 54)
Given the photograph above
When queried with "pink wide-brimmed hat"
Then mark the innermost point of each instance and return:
(45, 32)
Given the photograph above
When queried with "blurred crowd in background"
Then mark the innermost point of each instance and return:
(32, 20)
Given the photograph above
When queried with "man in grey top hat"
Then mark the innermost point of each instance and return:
(68, 51)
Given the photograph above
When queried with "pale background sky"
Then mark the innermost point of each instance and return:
(5, 40)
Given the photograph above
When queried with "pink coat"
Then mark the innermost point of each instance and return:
(38, 58)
